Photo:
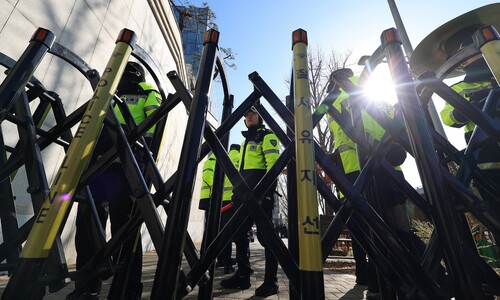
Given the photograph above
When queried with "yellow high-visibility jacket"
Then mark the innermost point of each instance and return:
(465, 89)
(141, 105)
(260, 150)
(342, 143)
(207, 178)
(227, 195)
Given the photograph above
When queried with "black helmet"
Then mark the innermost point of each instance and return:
(235, 147)
(343, 73)
(477, 68)
(132, 76)
(339, 73)
(134, 72)
(436, 48)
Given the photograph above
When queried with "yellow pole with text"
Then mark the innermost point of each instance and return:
(51, 217)
(487, 40)
(310, 257)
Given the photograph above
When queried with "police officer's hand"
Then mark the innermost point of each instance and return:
(268, 197)
(459, 116)
(396, 155)
(236, 201)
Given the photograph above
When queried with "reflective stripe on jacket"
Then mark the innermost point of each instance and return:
(207, 177)
(260, 150)
(227, 194)
(141, 105)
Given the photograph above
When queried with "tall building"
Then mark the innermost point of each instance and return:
(193, 23)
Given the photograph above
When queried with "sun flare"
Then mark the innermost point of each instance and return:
(380, 87)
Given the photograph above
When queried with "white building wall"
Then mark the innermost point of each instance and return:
(89, 28)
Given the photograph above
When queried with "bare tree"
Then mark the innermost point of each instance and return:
(320, 67)
(201, 15)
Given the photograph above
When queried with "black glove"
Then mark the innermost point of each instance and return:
(204, 204)
(459, 116)
(396, 155)
(236, 200)
(269, 196)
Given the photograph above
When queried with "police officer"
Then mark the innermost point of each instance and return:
(259, 152)
(111, 190)
(434, 51)
(346, 157)
(224, 259)
(475, 87)
(141, 97)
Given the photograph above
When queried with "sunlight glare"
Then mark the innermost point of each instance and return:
(380, 87)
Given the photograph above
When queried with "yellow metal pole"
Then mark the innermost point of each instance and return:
(310, 254)
(51, 216)
(54, 208)
(487, 40)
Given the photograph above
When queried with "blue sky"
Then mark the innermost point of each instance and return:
(259, 32)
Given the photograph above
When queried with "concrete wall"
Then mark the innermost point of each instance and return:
(89, 28)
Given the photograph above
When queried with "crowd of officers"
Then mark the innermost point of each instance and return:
(385, 197)
(256, 155)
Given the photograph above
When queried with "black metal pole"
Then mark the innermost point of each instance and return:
(38, 185)
(8, 214)
(466, 285)
(56, 206)
(291, 178)
(19, 76)
(213, 222)
(169, 261)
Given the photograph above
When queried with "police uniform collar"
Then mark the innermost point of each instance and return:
(252, 130)
(130, 89)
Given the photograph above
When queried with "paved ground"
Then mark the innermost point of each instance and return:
(337, 286)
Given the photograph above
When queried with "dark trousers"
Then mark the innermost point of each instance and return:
(86, 242)
(360, 256)
(390, 205)
(225, 255)
(243, 248)
(112, 188)
(490, 153)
